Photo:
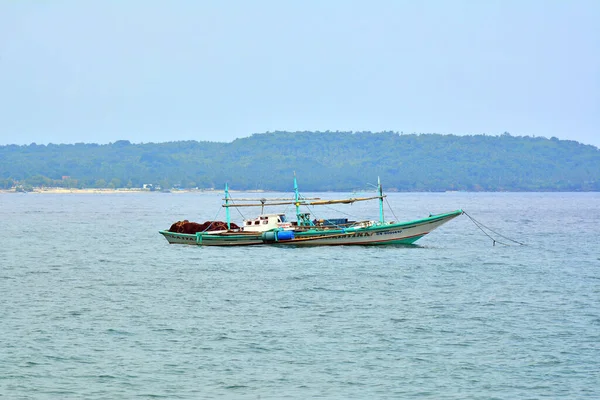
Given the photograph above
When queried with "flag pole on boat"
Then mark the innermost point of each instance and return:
(380, 200)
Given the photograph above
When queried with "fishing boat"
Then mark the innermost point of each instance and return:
(276, 229)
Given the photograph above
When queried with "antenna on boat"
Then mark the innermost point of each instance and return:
(262, 205)
(227, 216)
(379, 188)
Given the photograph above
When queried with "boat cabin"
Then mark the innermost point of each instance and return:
(266, 222)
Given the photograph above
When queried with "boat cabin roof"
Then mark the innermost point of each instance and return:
(265, 222)
(266, 217)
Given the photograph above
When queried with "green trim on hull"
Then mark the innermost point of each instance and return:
(410, 240)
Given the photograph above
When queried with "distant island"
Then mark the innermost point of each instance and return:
(322, 161)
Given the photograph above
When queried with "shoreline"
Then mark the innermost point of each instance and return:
(114, 191)
(96, 191)
(55, 190)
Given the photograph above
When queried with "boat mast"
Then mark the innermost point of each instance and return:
(296, 199)
(227, 216)
(380, 200)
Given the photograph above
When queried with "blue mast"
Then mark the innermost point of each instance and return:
(296, 199)
(303, 219)
(227, 216)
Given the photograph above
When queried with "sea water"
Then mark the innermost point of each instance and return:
(95, 304)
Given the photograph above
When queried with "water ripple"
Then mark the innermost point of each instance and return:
(119, 314)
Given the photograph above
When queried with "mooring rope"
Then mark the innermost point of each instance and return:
(494, 241)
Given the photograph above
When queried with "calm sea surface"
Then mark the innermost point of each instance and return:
(95, 304)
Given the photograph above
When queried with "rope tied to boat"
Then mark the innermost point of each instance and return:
(494, 241)
(213, 220)
(235, 207)
(391, 209)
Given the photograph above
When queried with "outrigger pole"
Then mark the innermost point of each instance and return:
(302, 218)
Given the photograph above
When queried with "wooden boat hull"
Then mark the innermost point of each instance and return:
(392, 233)
(377, 234)
(214, 239)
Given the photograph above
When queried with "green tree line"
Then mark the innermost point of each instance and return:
(336, 161)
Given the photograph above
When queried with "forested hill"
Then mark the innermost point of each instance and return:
(337, 161)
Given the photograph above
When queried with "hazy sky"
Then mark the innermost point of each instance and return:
(154, 71)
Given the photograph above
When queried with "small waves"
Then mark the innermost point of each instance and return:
(100, 310)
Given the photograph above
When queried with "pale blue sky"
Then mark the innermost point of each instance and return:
(154, 71)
